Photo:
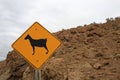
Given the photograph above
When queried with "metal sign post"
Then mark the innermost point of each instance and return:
(37, 75)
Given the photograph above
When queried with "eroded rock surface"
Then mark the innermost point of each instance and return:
(91, 52)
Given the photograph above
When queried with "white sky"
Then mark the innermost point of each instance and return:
(18, 15)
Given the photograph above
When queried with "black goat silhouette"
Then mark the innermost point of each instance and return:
(37, 43)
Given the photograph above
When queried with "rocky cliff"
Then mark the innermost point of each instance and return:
(89, 52)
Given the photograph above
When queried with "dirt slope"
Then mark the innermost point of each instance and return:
(90, 52)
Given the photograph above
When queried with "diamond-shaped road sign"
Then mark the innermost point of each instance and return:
(36, 45)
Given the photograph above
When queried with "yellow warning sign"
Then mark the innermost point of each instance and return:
(36, 45)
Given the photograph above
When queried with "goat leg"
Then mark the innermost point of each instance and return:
(33, 50)
(46, 49)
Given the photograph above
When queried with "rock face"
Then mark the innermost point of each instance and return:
(14, 67)
(90, 52)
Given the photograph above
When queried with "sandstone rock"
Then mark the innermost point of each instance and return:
(28, 74)
(117, 56)
(55, 69)
(5, 75)
(87, 53)
(97, 66)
